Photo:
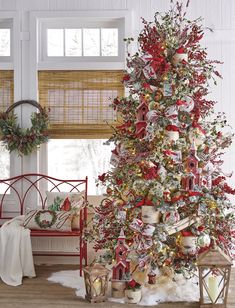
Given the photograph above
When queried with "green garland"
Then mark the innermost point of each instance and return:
(24, 140)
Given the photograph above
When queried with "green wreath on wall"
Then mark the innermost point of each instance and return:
(24, 140)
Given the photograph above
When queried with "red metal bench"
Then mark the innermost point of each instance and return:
(18, 192)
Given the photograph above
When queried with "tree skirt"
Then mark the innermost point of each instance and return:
(166, 289)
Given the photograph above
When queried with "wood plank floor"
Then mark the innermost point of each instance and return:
(39, 293)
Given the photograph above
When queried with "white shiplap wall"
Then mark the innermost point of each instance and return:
(218, 15)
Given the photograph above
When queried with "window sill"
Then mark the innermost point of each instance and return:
(81, 65)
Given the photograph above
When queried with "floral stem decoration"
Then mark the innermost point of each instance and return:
(24, 140)
(166, 188)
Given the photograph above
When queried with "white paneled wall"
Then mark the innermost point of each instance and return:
(219, 15)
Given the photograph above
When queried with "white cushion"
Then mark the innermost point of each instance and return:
(48, 220)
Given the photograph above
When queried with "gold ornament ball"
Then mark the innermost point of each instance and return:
(212, 205)
(147, 97)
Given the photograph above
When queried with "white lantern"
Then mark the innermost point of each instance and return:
(214, 274)
(96, 282)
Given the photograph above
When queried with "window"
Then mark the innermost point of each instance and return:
(80, 70)
(78, 158)
(83, 40)
(79, 103)
(5, 40)
(88, 42)
(5, 37)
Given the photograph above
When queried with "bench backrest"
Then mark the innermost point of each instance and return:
(19, 192)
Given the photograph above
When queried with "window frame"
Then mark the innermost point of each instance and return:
(39, 20)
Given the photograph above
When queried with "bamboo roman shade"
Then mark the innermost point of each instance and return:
(6, 89)
(79, 101)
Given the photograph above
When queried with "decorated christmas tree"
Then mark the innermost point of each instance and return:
(166, 189)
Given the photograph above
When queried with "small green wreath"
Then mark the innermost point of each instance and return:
(44, 224)
(24, 140)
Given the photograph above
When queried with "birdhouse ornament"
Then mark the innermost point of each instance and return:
(193, 172)
(141, 122)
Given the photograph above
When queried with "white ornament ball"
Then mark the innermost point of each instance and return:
(172, 135)
(189, 244)
(188, 106)
(121, 215)
(196, 136)
(203, 240)
(179, 57)
(209, 168)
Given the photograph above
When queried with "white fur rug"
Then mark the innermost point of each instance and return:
(165, 290)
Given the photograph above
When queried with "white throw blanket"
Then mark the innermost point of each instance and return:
(16, 259)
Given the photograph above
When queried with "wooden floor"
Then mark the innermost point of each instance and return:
(39, 293)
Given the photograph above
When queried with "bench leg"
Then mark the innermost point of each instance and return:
(83, 255)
